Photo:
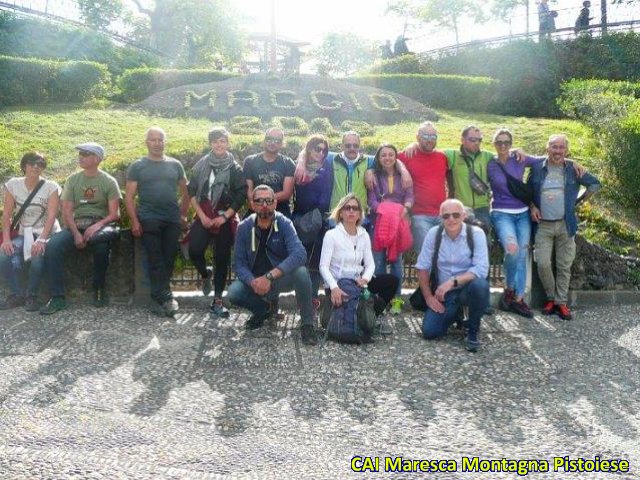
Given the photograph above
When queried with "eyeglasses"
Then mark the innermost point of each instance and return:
(273, 139)
(82, 153)
(263, 201)
(456, 215)
(351, 145)
(37, 164)
(319, 149)
(474, 139)
(351, 208)
(502, 143)
(429, 136)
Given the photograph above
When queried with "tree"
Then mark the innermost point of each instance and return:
(505, 9)
(446, 13)
(404, 9)
(194, 32)
(344, 54)
(101, 13)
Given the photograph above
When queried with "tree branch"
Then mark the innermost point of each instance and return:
(141, 9)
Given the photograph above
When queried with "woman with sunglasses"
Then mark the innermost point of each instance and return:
(388, 190)
(36, 224)
(346, 254)
(313, 191)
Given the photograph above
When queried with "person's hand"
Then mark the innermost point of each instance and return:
(361, 282)
(206, 222)
(520, 154)
(7, 248)
(218, 221)
(37, 248)
(411, 149)
(79, 241)
(579, 169)
(405, 213)
(434, 304)
(442, 290)
(90, 231)
(536, 216)
(261, 285)
(370, 180)
(136, 229)
(301, 169)
(338, 296)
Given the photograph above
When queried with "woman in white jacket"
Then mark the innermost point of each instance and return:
(346, 253)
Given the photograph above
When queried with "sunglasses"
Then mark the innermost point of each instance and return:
(37, 163)
(273, 139)
(351, 145)
(502, 143)
(263, 201)
(474, 139)
(456, 215)
(429, 136)
(351, 208)
(319, 149)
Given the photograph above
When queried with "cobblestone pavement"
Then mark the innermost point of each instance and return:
(119, 393)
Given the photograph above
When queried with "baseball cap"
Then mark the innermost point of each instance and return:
(92, 147)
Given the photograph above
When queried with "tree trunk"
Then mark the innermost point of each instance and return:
(603, 16)
(526, 4)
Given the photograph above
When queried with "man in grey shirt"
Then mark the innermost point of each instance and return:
(461, 274)
(155, 179)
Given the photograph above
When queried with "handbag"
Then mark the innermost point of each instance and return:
(107, 233)
(478, 185)
(522, 191)
(15, 227)
(417, 300)
(309, 226)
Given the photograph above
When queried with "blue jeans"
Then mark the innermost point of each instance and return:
(396, 268)
(514, 228)
(59, 246)
(475, 295)
(420, 225)
(242, 295)
(11, 267)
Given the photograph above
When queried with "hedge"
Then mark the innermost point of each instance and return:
(28, 81)
(139, 83)
(455, 92)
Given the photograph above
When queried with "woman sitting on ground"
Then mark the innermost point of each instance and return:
(218, 189)
(35, 225)
(346, 254)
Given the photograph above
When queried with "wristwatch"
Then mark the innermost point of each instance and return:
(455, 282)
(269, 276)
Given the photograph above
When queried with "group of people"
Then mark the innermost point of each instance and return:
(328, 218)
(547, 19)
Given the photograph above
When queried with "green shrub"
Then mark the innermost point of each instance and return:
(322, 125)
(245, 125)
(292, 126)
(438, 91)
(139, 83)
(403, 64)
(363, 128)
(28, 81)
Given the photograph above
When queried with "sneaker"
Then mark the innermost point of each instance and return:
(549, 308)
(171, 307)
(384, 327)
(396, 306)
(12, 301)
(472, 344)
(256, 321)
(55, 304)
(32, 304)
(100, 298)
(206, 284)
(217, 309)
(521, 308)
(157, 309)
(308, 335)
(506, 299)
(563, 311)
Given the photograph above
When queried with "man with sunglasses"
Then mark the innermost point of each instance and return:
(269, 258)
(460, 276)
(272, 168)
(90, 201)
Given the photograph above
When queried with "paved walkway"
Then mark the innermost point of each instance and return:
(119, 393)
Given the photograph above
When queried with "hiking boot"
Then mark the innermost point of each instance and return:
(171, 307)
(55, 304)
(255, 322)
(521, 308)
(217, 309)
(506, 299)
(308, 335)
(384, 327)
(472, 344)
(12, 301)
(206, 283)
(32, 304)
(549, 307)
(396, 306)
(100, 298)
(563, 311)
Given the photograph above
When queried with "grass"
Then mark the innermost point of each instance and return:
(55, 130)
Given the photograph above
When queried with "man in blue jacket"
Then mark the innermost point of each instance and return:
(556, 186)
(269, 258)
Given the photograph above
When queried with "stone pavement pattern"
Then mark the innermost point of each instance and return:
(119, 393)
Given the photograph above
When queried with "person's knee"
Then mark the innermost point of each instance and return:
(433, 328)
(236, 292)
(301, 274)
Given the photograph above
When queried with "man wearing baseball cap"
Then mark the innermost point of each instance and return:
(90, 206)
